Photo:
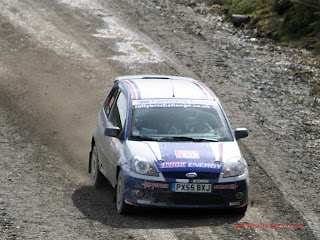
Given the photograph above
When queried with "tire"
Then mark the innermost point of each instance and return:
(241, 210)
(96, 175)
(122, 207)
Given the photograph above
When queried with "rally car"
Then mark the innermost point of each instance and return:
(165, 141)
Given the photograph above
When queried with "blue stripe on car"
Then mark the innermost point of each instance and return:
(136, 88)
(202, 90)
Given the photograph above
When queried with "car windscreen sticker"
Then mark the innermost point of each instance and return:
(174, 103)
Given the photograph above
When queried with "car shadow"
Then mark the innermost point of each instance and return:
(99, 205)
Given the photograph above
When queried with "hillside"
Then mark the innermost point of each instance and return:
(294, 22)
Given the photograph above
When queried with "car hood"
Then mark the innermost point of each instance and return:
(186, 156)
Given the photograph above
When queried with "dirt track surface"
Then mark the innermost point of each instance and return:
(58, 59)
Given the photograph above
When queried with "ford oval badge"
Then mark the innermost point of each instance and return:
(191, 175)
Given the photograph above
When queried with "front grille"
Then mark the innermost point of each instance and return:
(190, 199)
(200, 175)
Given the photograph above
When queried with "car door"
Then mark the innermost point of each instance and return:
(103, 142)
(117, 118)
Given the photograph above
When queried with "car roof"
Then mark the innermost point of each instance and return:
(161, 86)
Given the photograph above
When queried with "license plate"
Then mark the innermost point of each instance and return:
(190, 187)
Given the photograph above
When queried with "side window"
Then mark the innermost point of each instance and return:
(110, 101)
(119, 111)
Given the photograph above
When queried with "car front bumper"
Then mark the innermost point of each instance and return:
(142, 192)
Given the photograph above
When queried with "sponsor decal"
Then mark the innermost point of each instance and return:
(191, 165)
(182, 180)
(155, 185)
(174, 164)
(112, 140)
(200, 181)
(126, 167)
(111, 102)
(204, 165)
(229, 186)
(144, 202)
(187, 154)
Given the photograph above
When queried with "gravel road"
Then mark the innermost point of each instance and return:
(58, 59)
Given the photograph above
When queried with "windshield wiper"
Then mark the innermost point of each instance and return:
(145, 138)
(194, 139)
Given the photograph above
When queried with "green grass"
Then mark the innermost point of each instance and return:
(283, 20)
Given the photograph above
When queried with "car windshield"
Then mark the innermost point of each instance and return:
(179, 122)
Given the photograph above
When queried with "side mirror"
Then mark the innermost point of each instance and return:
(112, 131)
(241, 133)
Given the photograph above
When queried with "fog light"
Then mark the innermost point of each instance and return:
(238, 195)
(139, 193)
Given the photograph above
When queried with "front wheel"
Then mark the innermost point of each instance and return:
(122, 207)
(96, 175)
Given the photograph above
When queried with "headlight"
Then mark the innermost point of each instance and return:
(234, 167)
(144, 166)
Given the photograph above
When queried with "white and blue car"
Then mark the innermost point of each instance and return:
(164, 141)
